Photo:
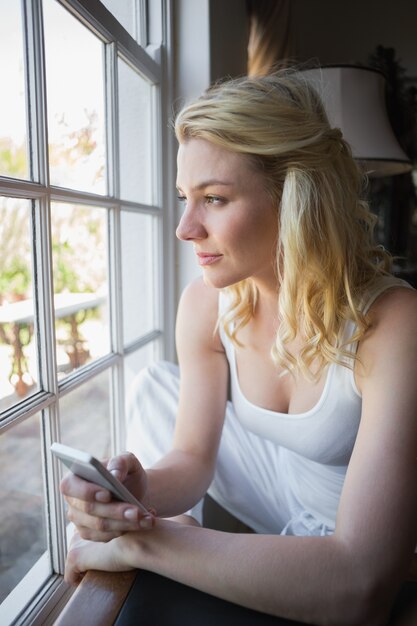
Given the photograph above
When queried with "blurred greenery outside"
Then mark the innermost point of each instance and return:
(78, 238)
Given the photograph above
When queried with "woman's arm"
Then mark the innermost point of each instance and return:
(182, 477)
(351, 577)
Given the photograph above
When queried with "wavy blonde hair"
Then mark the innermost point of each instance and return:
(325, 257)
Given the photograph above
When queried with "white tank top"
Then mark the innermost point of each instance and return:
(317, 443)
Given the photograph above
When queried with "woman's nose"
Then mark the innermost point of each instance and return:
(190, 226)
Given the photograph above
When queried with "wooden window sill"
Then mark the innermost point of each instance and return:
(100, 595)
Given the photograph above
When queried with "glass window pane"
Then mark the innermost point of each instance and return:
(85, 416)
(75, 91)
(134, 135)
(13, 127)
(23, 529)
(138, 274)
(80, 268)
(18, 346)
(124, 12)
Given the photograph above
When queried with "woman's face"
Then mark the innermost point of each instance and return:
(229, 216)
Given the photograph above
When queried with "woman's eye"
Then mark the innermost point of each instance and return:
(214, 200)
(181, 198)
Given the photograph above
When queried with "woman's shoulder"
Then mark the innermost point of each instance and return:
(200, 295)
(389, 346)
(198, 311)
(394, 300)
(382, 285)
(392, 320)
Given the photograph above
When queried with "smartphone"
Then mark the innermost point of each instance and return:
(88, 467)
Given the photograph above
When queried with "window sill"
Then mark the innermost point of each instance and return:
(100, 595)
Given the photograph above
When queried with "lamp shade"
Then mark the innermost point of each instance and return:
(354, 99)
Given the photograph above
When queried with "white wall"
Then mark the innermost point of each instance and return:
(210, 42)
(192, 77)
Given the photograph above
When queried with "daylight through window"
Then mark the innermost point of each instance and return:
(80, 261)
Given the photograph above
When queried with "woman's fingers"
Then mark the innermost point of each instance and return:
(102, 522)
(75, 487)
(124, 464)
(112, 516)
(93, 510)
(114, 509)
(125, 467)
(98, 536)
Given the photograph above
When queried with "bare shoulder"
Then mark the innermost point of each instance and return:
(197, 289)
(391, 341)
(197, 314)
(396, 308)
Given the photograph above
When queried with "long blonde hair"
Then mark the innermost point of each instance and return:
(325, 258)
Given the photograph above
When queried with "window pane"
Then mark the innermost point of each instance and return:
(13, 133)
(80, 268)
(23, 529)
(134, 135)
(124, 12)
(18, 346)
(138, 274)
(85, 416)
(75, 91)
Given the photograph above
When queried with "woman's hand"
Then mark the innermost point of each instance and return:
(129, 551)
(84, 555)
(93, 511)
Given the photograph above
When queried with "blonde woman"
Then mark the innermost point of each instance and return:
(297, 310)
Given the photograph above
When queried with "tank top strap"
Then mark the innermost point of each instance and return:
(382, 284)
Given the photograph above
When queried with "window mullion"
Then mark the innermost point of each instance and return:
(21, 188)
(158, 224)
(114, 246)
(44, 302)
(41, 222)
(166, 185)
(116, 322)
(141, 10)
(112, 114)
(35, 62)
(48, 370)
(44, 295)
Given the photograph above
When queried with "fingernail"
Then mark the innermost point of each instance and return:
(131, 514)
(102, 496)
(116, 473)
(146, 523)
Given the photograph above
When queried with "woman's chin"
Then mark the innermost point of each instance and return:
(215, 281)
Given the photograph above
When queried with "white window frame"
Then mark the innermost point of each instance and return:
(153, 64)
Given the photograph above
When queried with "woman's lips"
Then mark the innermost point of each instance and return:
(207, 258)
